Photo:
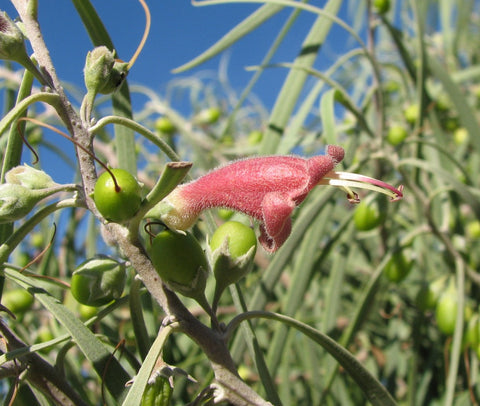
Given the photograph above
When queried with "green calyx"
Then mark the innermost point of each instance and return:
(12, 45)
(231, 252)
(98, 281)
(181, 263)
(29, 177)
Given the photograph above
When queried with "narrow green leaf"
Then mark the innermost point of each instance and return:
(93, 24)
(138, 321)
(135, 392)
(255, 349)
(373, 389)
(327, 114)
(293, 85)
(465, 112)
(302, 275)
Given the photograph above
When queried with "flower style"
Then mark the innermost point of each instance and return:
(265, 188)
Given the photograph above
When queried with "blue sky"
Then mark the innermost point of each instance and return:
(179, 32)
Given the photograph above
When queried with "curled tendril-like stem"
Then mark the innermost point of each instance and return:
(148, 228)
(41, 253)
(120, 346)
(148, 21)
(56, 130)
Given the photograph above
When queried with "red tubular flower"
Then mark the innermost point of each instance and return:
(265, 188)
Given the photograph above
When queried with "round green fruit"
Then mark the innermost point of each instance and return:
(381, 6)
(396, 135)
(240, 238)
(473, 229)
(367, 216)
(165, 126)
(446, 312)
(208, 116)
(471, 338)
(460, 136)
(18, 301)
(255, 137)
(117, 205)
(178, 259)
(87, 312)
(429, 294)
(412, 113)
(397, 268)
(98, 281)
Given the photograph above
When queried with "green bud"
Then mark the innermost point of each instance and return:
(103, 73)
(16, 201)
(12, 46)
(98, 67)
(231, 251)
(180, 262)
(29, 177)
(98, 281)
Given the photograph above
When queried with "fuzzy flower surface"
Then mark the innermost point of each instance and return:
(265, 188)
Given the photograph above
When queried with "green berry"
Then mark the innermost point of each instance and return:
(98, 281)
(396, 135)
(18, 301)
(208, 116)
(412, 113)
(446, 310)
(165, 126)
(473, 230)
(254, 138)
(397, 268)
(240, 238)
(460, 136)
(87, 312)
(367, 216)
(429, 294)
(117, 205)
(180, 262)
(381, 6)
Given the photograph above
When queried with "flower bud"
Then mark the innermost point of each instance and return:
(98, 65)
(12, 46)
(98, 281)
(29, 177)
(232, 249)
(16, 201)
(180, 262)
(103, 73)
